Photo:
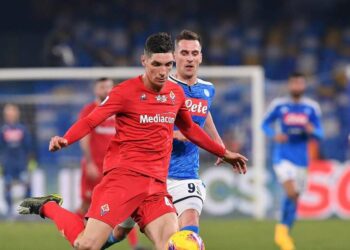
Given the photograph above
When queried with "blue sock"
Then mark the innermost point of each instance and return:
(111, 239)
(8, 199)
(289, 210)
(191, 228)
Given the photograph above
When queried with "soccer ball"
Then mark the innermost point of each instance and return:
(185, 240)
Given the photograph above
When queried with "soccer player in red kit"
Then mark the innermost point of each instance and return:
(94, 147)
(136, 164)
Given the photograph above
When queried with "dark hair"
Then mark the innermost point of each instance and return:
(102, 79)
(296, 74)
(159, 43)
(188, 35)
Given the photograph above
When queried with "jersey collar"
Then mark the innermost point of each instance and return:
(173, 78)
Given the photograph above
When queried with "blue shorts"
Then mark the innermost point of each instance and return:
(14, 173)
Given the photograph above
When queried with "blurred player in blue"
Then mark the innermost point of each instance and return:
(14, 152)
(298, 120)
(183, 183)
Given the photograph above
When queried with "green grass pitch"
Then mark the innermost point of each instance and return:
(217, 234)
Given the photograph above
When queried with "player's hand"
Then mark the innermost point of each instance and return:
(281, 138)
(219, 161)
(92, 171)
(57, 142)
(179, 136)
(238, 161)
(309, 128)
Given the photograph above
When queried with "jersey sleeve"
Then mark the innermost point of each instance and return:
(315, 120)
(195, 134)
(85, 111)
(269, 118)
(113, 104)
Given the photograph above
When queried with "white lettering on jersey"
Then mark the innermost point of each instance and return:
(295, 119)
(105, 130)
(197, 106)
(156, 119)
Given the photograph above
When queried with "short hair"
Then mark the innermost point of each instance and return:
(159, 43)
(102, 79)
(188, 35)
(296, 75)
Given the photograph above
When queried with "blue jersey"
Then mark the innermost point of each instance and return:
(291, 118)
(184, 162)
(14, 146)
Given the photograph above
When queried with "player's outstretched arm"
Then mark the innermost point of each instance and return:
(112, 105)
(197, 135)
(269, 118)
(314, 128)
(210, 128)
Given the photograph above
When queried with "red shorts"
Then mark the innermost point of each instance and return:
(87, 185)
(123, 193)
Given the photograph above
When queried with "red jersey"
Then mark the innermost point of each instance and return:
(144, 127)
(99, 136)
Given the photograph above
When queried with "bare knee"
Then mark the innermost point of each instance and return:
(293, 195)
(291, 191)
(160, 230)
(86, 244)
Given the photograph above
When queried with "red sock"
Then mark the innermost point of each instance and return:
(133, 238)
(68, 223)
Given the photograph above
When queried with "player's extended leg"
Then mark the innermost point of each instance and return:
(94, 236)
(8, 197)
(68, 223)
(120, 232)
(288, 215)
(156, 216)
(188, 197)
(293, 180)
(289, 207)
(189, 220)
(133, 238)
(161, 229)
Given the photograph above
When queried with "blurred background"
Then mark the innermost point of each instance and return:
(309, 36)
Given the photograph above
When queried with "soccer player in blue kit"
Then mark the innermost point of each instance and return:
(183, 183)
(15, 147)
(298, 119)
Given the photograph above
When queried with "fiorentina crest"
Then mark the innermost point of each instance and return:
(104, 209)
